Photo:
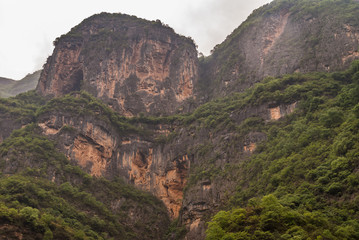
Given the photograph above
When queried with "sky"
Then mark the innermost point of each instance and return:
(28, 27)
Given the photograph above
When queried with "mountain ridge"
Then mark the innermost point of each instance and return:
(10, 87)
(269, 157)
(284, 37)
(136, 66)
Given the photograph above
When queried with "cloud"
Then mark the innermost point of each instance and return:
(213, 20)
(44, 49)
(28, 31)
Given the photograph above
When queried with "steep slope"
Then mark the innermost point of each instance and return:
(10, 88)
(43, 196)
(282, 137)
(285, 36)
(134, 65)
(106, 144)
(282, 154)
(29, 82)
(16, 112)
(5, 83)
(302, 182)
(217, 157)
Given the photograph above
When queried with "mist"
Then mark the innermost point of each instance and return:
(210, 23)
(28, 28)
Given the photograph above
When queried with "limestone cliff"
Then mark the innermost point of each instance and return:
(134, 65)
(282, 37)
(103, 151)
(161, 167)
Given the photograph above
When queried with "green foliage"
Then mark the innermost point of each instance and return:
(331, 118)
(82, 104)
(21, 108)
(306, 169)
(272, 220)
(176, 231)
(54, 199)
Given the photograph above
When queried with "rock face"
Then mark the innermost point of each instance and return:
(205, 197)
(100, 150)
(159, 167)
(280, 38)
(134, 65)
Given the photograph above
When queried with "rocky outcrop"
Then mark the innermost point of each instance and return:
(160, 167)
(134, 65)
(282, 110)
(280, 38)
(100, 150)
(211, 192)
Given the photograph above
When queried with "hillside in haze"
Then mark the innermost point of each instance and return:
(129, 135)
(10, 88)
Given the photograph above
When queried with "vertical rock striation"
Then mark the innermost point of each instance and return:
(134, 65)
(280, 38)
(102, 151)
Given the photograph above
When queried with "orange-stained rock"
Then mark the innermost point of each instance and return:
(167, 183)
(134, 65)
(102, 152)
(250, 148)
(280, 111)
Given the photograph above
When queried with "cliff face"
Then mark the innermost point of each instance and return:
(216, 155)
(134, 65)
(284, 37)
(37, 172)
(163, 167)
(102, 151)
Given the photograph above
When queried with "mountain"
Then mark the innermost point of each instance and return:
(285, 36)
(130, 136)
(5, 83)
(10, 88)
(134, 65)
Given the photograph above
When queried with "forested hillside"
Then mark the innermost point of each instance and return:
(302, 182)
(129, 135)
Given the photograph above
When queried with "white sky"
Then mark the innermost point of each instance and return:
(28, 27)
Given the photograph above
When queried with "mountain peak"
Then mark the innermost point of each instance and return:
(135, 65)
(282, 37)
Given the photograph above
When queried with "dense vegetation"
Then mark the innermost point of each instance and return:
(302, 182)
(22, 108)
(42, 195)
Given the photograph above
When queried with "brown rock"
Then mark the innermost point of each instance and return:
(134, 65)
(277, 39)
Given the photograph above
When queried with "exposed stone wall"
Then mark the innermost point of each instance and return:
(98, 149)
(282, 42)
(135, 67)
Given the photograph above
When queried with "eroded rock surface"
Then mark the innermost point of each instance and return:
(100, 150)
(281, 38)
(134, 65)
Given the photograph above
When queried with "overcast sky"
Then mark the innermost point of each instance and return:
(28, 27)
